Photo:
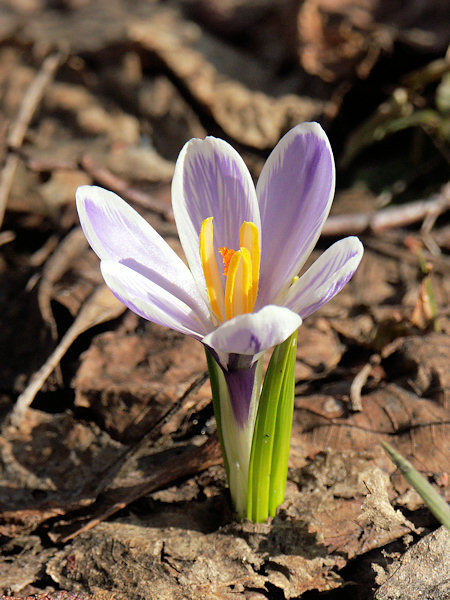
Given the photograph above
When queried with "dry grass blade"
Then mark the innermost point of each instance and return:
(100, 307)
(54, 268)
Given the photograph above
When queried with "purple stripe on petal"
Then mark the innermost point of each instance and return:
(325, 278)
(211, 180)
(295, 191)
(253, 333)
(150, 301)
(191, 298)
(118, 233)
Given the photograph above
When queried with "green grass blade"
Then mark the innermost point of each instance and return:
(283, 429)
(434, 501)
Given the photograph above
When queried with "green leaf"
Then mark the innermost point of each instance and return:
(435, 502)
(283, 429)
(271, 439)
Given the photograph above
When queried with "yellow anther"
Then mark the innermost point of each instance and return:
(249, 238)
(211, 270)
(241, 268)
(238, 284)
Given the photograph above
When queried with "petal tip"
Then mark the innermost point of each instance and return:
(356, 245)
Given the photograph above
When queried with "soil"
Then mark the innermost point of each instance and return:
(111, 480)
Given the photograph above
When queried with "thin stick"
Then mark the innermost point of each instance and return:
(17, 133)
(356, 387)
(101, 306)
(120, 186)
(389, 218)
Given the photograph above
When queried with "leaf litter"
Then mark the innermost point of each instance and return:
(111, 482)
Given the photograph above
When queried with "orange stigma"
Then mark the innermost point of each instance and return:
(227, 255)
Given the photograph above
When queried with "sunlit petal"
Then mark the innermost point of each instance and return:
(325, 278)
(253, 333)
(149, 300)
(211, 180)
(295, 191)
(117, 232)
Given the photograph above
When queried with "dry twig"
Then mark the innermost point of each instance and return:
(120, 186)
(16, 135)
(100, 307)
(389, 218)
(359, 382)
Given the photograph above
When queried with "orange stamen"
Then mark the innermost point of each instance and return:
(227, 255)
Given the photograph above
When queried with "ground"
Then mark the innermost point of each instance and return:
(111, 480)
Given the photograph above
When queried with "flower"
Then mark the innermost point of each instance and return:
(241, 293)
(244, 247)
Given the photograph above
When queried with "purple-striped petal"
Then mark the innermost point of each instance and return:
(211, 180)
(150, 301)
(295, 191)
(117, 232)
(253, 333)
(325, 278)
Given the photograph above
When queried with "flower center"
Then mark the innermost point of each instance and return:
(241, 269)
(227, 255)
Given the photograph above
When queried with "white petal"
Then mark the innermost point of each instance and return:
(118, 233)
(150, 301)
(211, 180)
(253, 333)
(295, 192)
(325, 278)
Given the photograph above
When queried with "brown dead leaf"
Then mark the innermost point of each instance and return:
(22, 562)
(319, 350)
(422, 572)
(340, 40)
(331, 497)
(173, 119)
(60, 188)
(376, 508)
(140, 472)
(50, 464)
(133, 381)
(419, 424)
(337, 39)
(216, 566)
(251, 118)
(421, 363)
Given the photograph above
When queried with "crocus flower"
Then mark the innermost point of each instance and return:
(240, 293)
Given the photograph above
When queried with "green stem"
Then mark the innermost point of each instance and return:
(218, 383)
(235, 436)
